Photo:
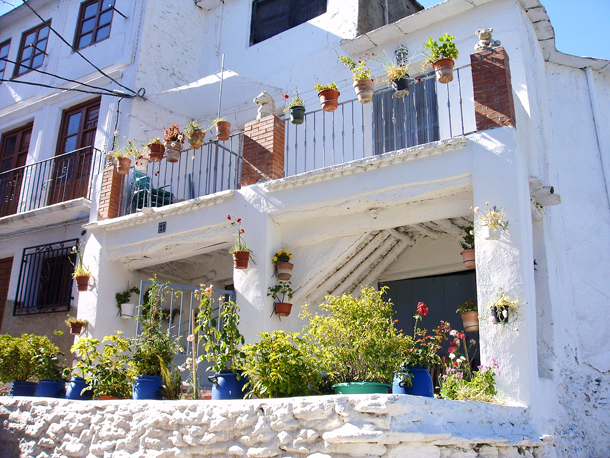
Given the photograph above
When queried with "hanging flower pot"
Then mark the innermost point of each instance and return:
(297, 114)
(284, 270)
(223, 130)
(157, 150)
(491, 233)
(240, 259)
(470, 321)
(282, 308)
(444, 70)
(172, 152)
(401, 87)
(127, 311)
(196, 138)
(123, 164)
(364, 90)
(498, 316)
(329, 99)
(82, 282)
(468, 258)
(141, 163)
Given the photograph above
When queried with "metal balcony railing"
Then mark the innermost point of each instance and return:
(58, 179)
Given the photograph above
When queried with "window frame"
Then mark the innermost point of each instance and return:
(6, 43)
(19, 62)
(78, 33)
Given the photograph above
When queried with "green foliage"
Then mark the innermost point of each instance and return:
(49, 360)
(356, 337)
(467, 242)
(280, 365)
(444, 48)
(322, 87)
(19, 357)
(73, 320)
(112, 375)
(172, 382)
(123, 298)
(468, 306)
(86, 350)
(464, 386)
(359, 70)
(281, 291)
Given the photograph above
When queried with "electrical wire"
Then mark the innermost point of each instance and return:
(29, 83)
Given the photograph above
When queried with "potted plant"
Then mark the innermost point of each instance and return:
(173, 141)
(470, 315)
(280, 293)
(240, 251)
(503, 308)
(283, 266)
(420, 355)
(397, 75)
(359, 344)
(123, 155)
(194, 134)
(441, 55)
(492, 219)
(281, 364)
(112, 377)
(81, 273)
(221, 340)
(76, 325)
(329, 96)
(223, 129)
(18, 362)
(142, 159)
(479, 385)
(50, 369)
(126, 309)
(156, 149)
(467, 245)
(364, 84)
(79, 388)
(296, 107)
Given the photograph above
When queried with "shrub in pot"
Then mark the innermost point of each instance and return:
(81, 273)
(441, 55)
(50, 369)
(223, 129)
(283, 266)
(173, 142)
(194, 134)
(364, 84)
(470, 315)
(76, 325)
(156, 150)
(280, 292)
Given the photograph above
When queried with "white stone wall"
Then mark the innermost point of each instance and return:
(389, 426)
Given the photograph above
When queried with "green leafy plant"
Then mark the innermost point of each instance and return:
(86, 350)
(467, 242)
(172, 381)
(359, 69)
(281, 364)
(356, 337)
(444, 48)
(80, 270)
(21, 358)
(322, 87)
(505, 308)
(281, 291)
(492, 217)
(468, 306)
(123, 297)
(191, 128)
(50, 360)
(295, 101)
(240, 242)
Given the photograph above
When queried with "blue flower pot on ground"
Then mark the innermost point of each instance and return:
(75, 389)
(148, 387)
(24, 388)
(51, 388)
(422, 383)
(362, 388)
(226, 385)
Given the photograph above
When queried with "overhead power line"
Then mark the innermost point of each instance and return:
(73, 89)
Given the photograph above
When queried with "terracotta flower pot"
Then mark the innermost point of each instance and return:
(122, 165)
(82, 282)
(156, 152)
(105, 397)
(468, 258)
(444, 70)
(284, 270)
(76, 328)
(282, 308)
(172, 153)
(329, 99)
(364, 90)
(223, 130)
(471, 321)
(240, 259)
(196, 140)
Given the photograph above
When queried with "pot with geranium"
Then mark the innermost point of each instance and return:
(156, 150)
(282, 264)
(359, 344)
(280, 293)
(76, 325)
(503, 308)
(467, 245)
(221, 341)
(81, 273)
(194, 134)
(173, 142)
(470, 315)
(414, 376)
(329, 96)
(240, 251)
(223, 129)
(296, 107)
(492, 221)
(441, 55)
(364, 84)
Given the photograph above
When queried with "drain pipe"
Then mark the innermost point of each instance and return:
(386, 13)
(597, 122)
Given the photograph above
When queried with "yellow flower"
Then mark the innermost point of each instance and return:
(275, 259)
(290, 256)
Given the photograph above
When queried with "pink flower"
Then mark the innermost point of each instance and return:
(422, 309)
(461, 335)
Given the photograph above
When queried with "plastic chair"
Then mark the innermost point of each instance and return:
(144, 195)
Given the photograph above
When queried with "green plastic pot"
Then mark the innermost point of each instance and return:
(362, 388)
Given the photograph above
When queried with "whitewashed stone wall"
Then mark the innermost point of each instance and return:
(316, 427)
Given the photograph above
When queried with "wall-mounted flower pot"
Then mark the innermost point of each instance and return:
(240, 259)
(172, 153)
(282, 308)
(76, 328)
(127, 311)
(122, 165)
(196, 139)
(329, 99)
(284, 270)
(490, 233)
(156, 152)
(468, 258)
(223, 130)
(141, 164)
(444, 70)
(297, 114)
(401, 87)
(364, 90)
(470, 321)
(82, 282)
(498, 316)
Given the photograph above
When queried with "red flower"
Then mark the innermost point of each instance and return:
(241, 231)
(372, 80)
(229, 217)
(372, 54)
(461, 335)
(239, 220)
(419, 80)
(422, 309)
(451, 349)
(286, 96)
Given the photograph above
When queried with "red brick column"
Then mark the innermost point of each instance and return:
(263, 150)
(111, 195)
(493, 91)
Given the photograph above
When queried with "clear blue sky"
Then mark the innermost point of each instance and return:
(578, 24)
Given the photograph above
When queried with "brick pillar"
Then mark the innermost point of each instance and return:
(111, 195)
(263, 150)
(493, 91)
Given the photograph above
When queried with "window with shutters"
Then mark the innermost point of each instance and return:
(4, 47)
(32, 49)
(271, 17)
(408, 121)
(94, 22)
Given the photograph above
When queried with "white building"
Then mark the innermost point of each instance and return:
(371, 193)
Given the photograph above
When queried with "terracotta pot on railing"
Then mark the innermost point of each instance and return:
(172, 153)
(444, 70)
(122, 165)
(223, 130)
(329, 99)
(196, 140)
(364, 90)
(156, 152)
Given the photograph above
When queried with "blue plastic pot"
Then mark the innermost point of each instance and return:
(75, 389)
(422, 383)
(51, 388)
(148, 387)
(362, 388)
(24, 388)
(226, 385)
